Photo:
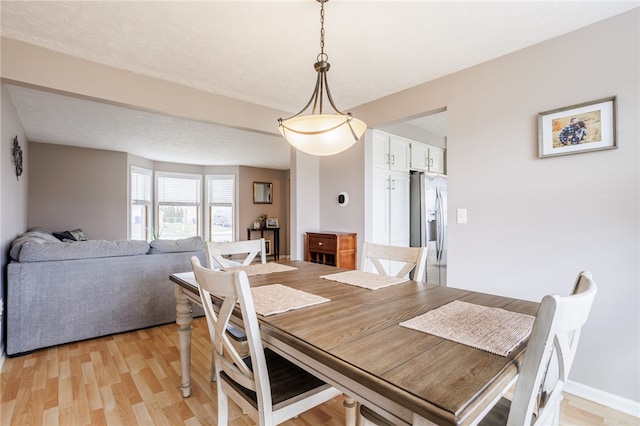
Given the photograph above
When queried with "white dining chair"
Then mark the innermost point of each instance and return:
(235, 253)
(410, 259)
(266, 386)
(227, 255)
(547, 361)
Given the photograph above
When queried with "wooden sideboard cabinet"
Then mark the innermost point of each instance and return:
(332, 248)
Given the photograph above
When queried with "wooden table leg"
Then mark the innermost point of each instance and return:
(350, 410)
(184, 316)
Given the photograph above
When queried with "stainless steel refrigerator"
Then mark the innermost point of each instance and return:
(428, 222)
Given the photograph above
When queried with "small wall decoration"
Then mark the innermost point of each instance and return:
(16, 152)
(590, 126)
(262, 192)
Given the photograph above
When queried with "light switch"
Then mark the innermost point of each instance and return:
(462, 216)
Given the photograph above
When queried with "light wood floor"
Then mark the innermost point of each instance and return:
(133, 379)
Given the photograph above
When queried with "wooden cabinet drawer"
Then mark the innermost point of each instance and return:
(322, 243)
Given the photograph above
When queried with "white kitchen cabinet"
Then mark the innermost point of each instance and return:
(390, 152)
(427, 158)
(436, 160)
(390, 215)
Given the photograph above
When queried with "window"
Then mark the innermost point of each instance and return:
(178, 201)
(140, 204)
(220, 196)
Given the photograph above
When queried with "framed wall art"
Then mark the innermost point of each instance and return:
(262, 192)
(590, 126)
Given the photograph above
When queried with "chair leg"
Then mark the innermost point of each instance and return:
(223, 406)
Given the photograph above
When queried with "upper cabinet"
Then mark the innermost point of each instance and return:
(400, 154)
(391, 152)
(427, 158)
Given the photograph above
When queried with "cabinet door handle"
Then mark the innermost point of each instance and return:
(393, 184)
(430, 162)
(388, 158)
(319, 243)
(393, 159)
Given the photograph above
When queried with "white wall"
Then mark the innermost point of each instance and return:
(305, 207)
(13, 191)
(535, 223)
(343, 172)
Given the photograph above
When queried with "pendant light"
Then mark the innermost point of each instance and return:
(319, 133)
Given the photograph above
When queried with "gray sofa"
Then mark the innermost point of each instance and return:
(60, 292)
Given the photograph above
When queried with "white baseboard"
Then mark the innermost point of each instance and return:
(607, 399)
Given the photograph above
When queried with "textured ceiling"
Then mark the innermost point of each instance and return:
(263, 52)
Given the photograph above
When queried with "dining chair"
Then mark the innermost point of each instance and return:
(266, 386)
(234, 253)
(547, 361)
(227, 255)
(411, 258)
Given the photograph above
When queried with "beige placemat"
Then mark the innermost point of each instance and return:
(493, 330)
(364, 279)
(277, 298)
(262, 268)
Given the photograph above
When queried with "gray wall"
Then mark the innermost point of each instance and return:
(533, 224)
(13, 192)
(279, 209)
(71, 187)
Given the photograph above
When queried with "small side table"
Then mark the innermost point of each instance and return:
(275, 250)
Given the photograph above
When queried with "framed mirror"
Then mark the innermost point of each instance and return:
(262, 193)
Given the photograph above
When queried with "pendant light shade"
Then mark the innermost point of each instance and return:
(319, 133)
(322, 134)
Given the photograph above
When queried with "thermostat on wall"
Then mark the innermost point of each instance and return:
(343, 199)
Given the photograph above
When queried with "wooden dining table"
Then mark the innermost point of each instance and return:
(355, 343)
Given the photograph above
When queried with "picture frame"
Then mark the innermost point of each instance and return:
(272, 222)
(262, 193)
(267, 247)
(585, 127)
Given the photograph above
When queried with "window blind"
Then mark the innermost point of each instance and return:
(140, 186)
(178, 190)
(220, 190)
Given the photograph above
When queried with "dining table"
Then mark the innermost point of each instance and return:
(354, 341)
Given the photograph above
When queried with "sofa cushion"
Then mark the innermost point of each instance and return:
(32, 235)
(174, 246)
(39, 251)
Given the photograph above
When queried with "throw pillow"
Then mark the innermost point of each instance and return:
(64, 236)
(70, 236)
(78, 234)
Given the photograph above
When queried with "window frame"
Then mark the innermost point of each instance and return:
(148, 204)
(211, 205)
(157, 203)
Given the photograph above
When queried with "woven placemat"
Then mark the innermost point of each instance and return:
(277, 298)
(261, 268)
(493, 330)
(364, 279)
